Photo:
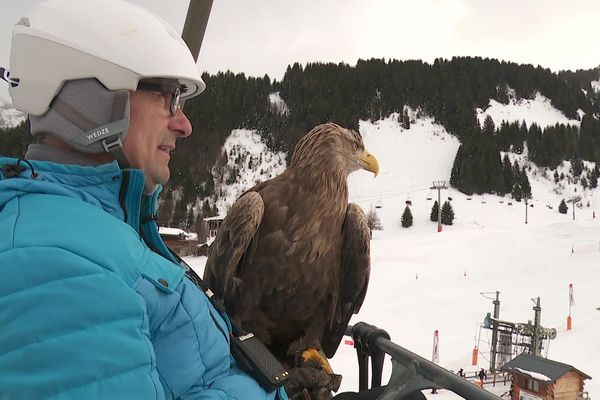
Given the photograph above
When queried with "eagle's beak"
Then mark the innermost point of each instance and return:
(369, 162)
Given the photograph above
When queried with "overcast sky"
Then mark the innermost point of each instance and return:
(260, 37)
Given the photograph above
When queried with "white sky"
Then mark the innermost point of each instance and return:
(265, 36)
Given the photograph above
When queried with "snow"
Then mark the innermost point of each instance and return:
(278, 103)
(535, 375)
(9, 117)
(258, 164)
(538, 110)
(423, 281)
(177, 232)
(595, 86)
(170, 231)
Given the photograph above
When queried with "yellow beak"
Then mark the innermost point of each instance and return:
(370, 162)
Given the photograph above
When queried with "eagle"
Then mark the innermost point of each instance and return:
(291, 259)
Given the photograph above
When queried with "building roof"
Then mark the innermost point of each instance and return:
(540, 368)
(217, 218)
(176, 232)
(163, 230)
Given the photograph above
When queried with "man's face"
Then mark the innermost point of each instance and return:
(152, 134)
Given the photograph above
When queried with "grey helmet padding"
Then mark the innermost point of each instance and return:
(86, 115)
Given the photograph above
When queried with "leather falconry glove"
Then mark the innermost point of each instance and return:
(306, 383)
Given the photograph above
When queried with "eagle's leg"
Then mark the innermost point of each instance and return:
(315, 358)
(306, 352)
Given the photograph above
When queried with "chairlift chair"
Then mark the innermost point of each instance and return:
(379, 204)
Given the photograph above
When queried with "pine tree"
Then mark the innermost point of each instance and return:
(577, 167)
(562, 208)
(593, 181)
(525, 185)
(180, 214)
(405, 119)
(407, 218)
(488, 125)
(165, 211)
(517, 192)
(447, 214)
(433, 217)
(508, 174)
(191, 218)
(373, 221)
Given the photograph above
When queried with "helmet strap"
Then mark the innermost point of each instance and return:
(115, 147)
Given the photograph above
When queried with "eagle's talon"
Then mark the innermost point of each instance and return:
(316, 359)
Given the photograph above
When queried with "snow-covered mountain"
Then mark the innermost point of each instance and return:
(422, 280)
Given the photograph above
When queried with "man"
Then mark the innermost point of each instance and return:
(93, 305)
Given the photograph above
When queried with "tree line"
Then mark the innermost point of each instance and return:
(447, 90)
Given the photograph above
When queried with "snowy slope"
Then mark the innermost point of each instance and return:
(422, 281)
(538, 110)
(245, 151)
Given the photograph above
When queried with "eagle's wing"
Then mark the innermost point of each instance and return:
(236, 240)
(355, 270)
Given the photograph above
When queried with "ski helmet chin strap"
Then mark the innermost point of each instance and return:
(89, 118)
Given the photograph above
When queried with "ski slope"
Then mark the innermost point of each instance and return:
(422, 280)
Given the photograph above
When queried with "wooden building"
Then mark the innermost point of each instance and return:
(537, 378)
(181, 242)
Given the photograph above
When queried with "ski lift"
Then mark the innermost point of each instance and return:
(469, 198)
(449, 195)
(379, 204)
(429, 196)
(501, 201)
(509, 203)
(408, 201)
(483, 201)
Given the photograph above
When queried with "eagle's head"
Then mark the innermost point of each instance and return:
(330, 145)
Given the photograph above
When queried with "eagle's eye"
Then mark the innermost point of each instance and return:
(354, 146)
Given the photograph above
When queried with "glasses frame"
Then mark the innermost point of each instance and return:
(172, 89)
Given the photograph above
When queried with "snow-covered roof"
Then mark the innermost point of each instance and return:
(540, 368)
(171, 231)
(217, 218)
(163, 230)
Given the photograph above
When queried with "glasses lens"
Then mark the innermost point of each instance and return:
(175, 101)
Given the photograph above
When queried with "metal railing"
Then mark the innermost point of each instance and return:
(410, 372)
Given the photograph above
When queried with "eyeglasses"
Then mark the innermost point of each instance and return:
(174, 91)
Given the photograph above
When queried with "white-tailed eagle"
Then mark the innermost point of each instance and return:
(291, 259)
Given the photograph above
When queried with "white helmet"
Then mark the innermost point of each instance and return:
(113, 41)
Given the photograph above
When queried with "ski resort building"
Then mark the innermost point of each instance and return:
(537, 378)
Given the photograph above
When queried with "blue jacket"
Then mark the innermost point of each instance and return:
(87, 309)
